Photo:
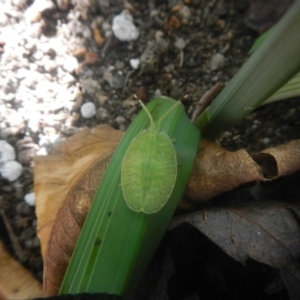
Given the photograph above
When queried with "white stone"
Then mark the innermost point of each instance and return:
(123, 27)
(217, 61)
(42, 5)
(7, 152)
(70, 64)
(134, 63)
(11, 170)
(157, 93)
(88, 110)
(3, 19)
(179, 43)
(30, 198)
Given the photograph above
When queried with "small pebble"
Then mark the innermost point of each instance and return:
(11, 170)
(63, 4)
(43, 5)
(123, 27)
(48, 141)
(121, 120)
(102, 114)
(179, 43)
(217, 61)
(266, 141)
(30, 198)
(7, 152)
(91, 86)
(185, 13)
(32, 243)
(134, 63)
(102, 99)
(157, 93)
(117, 81)
(119, 65)
(70, 64)
(88, 110)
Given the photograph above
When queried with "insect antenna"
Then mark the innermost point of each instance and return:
(162, 117)
(148, 113)
(167, 112)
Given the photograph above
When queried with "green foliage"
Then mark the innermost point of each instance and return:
(116, 243)
(275, 62)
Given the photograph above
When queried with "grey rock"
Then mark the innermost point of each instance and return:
(11, 170)
(88, 110)
(7, 152)
(217, 61)
(91, 86)
(117, 81)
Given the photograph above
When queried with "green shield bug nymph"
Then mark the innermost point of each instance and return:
(149, 168)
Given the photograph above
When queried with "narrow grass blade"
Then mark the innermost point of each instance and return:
(289, 90)
(260, 40)
(275, 62)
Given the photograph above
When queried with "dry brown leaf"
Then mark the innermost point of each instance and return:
(279, 161)
(217, 170)
(15, 281)
(66, 181)
(90, 58)
(68, 224)
(56, 174)
(98, 37)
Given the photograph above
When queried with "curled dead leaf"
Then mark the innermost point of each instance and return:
(279, 161)
(217, 170)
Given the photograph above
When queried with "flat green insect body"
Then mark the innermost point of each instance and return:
(149, 170)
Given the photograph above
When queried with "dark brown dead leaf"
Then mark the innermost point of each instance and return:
(263, 14)
(265, 231)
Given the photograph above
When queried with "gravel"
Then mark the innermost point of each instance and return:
(66, 65)
(124, 28)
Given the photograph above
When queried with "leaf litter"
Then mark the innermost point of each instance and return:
(265, 231)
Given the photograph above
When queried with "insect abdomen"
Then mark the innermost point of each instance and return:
(149, 171)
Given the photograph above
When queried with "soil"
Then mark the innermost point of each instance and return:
(184, 49)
